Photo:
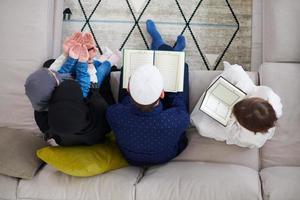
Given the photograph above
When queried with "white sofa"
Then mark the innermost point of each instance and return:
(207, 169)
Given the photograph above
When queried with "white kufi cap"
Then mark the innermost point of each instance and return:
(146, 85)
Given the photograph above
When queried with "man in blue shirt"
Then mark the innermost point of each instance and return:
(149, 124)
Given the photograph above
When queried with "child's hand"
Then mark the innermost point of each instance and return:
(71, 41)
(102, 58)
(75, 51)
(114, 58)
(92, 51)
(84, 54)
(107, 52)
(88, 39)
(67, 45)
(77, 36)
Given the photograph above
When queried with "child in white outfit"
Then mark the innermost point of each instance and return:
(253, 119)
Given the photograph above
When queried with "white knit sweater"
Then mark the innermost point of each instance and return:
(234, 133)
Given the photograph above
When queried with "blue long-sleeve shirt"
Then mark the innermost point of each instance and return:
(68, 66)
(147, 138)
(80, 71)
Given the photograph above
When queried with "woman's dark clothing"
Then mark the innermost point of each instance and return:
(74, 120)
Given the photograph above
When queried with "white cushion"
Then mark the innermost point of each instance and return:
(281, 183)
(281, 30)
(54, 185)
(26, 43)
(196, 180)
(8, 187)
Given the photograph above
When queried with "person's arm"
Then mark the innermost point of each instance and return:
(172, 100)
(59, 61)
(41, 119)
(68, 66)
(105, 87)
(97, 62)
(123, 93)
(179, 99)
(103, 69)
(236, 75)
(83, 77)
(97, 106)
(244, 138)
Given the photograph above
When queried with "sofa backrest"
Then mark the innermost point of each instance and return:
(281, 52)
(284, 148)
(26, 42)
(281, 31)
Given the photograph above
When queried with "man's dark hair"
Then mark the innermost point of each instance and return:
(255, 114)
(145, 108)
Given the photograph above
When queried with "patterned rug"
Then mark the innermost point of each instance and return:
(215, 30)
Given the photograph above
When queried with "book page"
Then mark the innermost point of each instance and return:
(220, 99)
(171, 67)
(133, 59)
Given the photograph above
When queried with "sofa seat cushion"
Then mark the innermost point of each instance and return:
(209, 150)
(281, 183)
(198, 180)
(284, 148)
(54, 185)
(8, 187)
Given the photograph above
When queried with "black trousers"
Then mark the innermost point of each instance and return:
(96, 125)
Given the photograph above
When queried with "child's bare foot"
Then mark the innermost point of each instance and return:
(84, 54)
(75, 51)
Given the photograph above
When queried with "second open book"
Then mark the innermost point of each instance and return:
(219, 100)
(169, 63)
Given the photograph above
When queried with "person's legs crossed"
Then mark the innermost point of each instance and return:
(157, 40)
(180, 45)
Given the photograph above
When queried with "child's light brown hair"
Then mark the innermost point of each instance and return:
(255, 114)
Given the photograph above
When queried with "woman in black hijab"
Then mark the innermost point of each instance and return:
(74, 120)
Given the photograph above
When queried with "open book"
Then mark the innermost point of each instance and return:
(169, 63)
(219, 100)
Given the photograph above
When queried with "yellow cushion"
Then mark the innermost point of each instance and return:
(84, 160)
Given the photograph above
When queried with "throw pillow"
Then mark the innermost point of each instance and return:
(17, 157)
(84, 161)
